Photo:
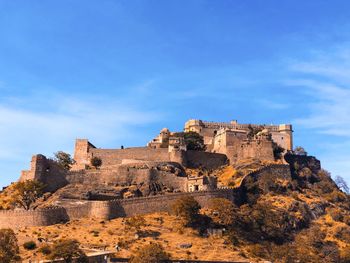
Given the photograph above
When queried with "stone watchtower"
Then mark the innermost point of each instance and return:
(284, 137)
(82, 154)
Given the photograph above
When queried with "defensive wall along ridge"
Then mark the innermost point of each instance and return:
(105, 209)
(84, 151)
(73, 209)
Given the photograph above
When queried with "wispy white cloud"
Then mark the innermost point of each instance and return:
(324, 82)
(58, 121)
(333, 64)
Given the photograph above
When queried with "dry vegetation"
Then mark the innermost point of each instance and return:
(6, 198)
(231, 176)
(160, 228)
(303, 219)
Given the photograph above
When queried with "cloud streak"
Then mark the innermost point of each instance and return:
(24, 131)
(326, 81)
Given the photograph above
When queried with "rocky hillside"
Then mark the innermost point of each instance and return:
(304, 218)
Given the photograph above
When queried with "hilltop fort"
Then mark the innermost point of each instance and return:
(225, 143)
(146, 179)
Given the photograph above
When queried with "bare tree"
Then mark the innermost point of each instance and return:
(341, 183)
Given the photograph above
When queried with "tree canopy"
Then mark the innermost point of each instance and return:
(9, 250)
(299, 150)
(277, 150)
(193, 140)
(27, 192)
(96, 162)
(223, 211)
(67, 249)
(64, 159)
(152, 253)
(187, 208)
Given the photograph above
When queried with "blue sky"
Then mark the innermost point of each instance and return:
(117, 72)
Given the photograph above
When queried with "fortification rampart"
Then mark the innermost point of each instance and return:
(259, 149)
(110, 157)
(40, 217)
(115, 156)
(196, 159)
(47, 171)
(106, 209)
(145, 174)
(128, 207)
(282, 134)
(131, 207)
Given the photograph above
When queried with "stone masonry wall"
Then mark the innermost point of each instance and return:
(115, 156)
(107, 209)
(130, 207)
(133, 174)
(112, 157)
(195, 159)
(42, 217)
(46, 171)
(259, 149)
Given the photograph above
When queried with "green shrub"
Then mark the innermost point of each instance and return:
(67, 249)
(96, 162)
(187, 208)
(45, 250)
(27, 192)
(193, 140)
(9, 251)
(64, 159)
(223, 211)
(135, 223)
(152, 253)
(30, 245)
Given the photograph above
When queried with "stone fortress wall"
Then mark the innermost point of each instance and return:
(40, 217)
(84, 151)
(72, 210)
(259, 149)
(162, 162)
(120, 166)
(231, 138)
(105, 209)
(161, 173)
(281, 134)
(46, 171)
